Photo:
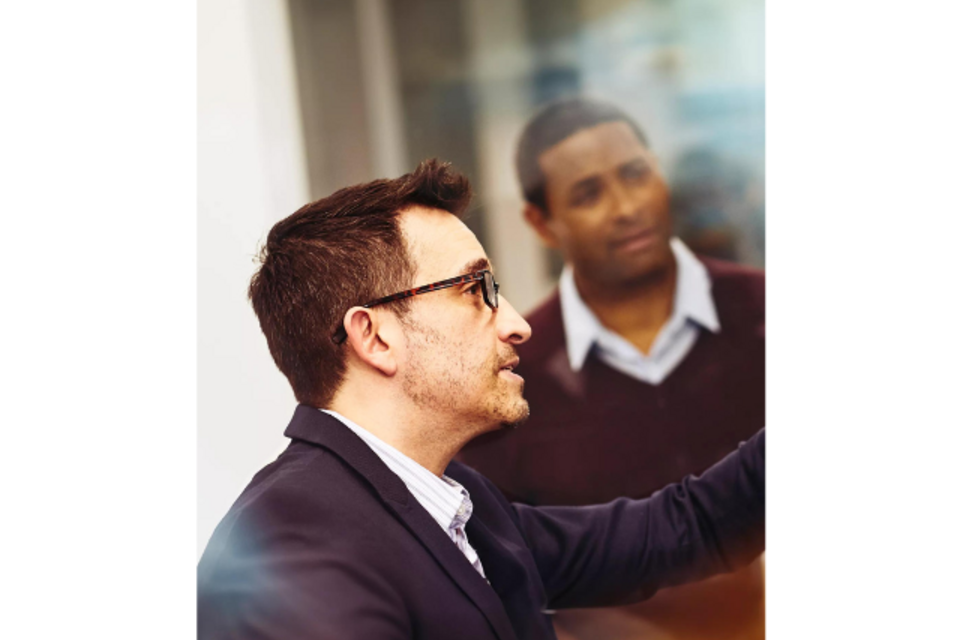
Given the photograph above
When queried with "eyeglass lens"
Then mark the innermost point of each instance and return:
(490, 290)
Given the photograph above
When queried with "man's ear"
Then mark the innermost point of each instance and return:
(540, 221)
(371, 341)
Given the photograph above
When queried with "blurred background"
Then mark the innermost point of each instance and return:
(297, 98)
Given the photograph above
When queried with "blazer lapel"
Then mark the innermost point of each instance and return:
(453, 561)
(317, 427)
(511, 581)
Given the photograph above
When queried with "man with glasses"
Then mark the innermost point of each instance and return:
(364, 528)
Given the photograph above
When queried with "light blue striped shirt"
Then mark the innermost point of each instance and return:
(693, 311)
(444, 498)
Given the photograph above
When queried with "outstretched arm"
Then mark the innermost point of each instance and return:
(625, 550)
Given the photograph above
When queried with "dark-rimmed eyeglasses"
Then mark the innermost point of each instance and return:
(488, 285)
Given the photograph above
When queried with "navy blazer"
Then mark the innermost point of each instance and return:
(326, 543)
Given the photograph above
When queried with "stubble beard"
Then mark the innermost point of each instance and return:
(514, 422)
(443, 389)
(511, 412)
(427, 386)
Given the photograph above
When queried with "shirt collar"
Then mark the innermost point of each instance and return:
(692, 300)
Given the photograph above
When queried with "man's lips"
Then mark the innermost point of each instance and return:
(508, 369)
(510, 365)
(635, 240)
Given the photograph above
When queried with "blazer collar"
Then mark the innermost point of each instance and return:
(316, 427)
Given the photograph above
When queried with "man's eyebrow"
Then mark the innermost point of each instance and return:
(475, 265)
(636, 163)
(585, 183)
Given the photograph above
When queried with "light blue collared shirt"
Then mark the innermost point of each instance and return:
(693, 311)
(444, 498)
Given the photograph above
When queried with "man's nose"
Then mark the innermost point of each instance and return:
(627, 200)
(511, 326)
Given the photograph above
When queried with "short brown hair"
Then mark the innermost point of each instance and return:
(552, 125)
(335, 253)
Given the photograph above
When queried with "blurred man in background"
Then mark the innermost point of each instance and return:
(647, 362)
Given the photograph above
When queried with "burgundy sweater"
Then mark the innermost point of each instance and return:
(599, 434)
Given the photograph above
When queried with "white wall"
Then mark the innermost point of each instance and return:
(251, 172)
(501, 58)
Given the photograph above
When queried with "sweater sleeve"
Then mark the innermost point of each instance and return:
(625, 550)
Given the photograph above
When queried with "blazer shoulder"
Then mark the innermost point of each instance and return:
(305, 478)
(303, 489)
(295, 552)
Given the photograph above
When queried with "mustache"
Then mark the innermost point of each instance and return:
(507, 357)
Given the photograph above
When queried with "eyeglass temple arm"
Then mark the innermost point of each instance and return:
(341, 333)
(435, 286)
